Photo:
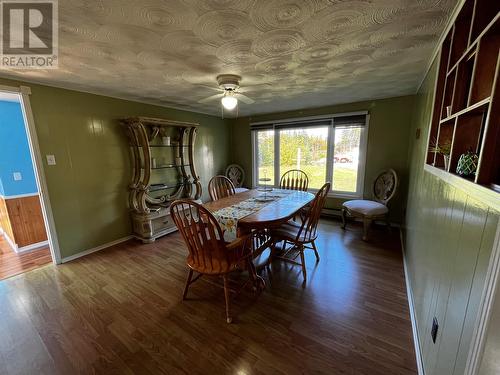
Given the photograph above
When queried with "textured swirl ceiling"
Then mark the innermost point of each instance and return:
(291, 54)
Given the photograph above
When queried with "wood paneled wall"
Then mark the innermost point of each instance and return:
(22, 220)
(4, 219)
(449, 236)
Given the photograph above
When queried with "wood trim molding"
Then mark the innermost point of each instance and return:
(95, 249)
(411, 306)
(36, 154)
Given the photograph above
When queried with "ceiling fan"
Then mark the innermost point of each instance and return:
(230, 92)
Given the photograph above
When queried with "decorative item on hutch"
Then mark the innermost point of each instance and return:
(162, 172)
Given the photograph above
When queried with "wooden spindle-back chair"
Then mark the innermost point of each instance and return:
(302, 236)
(220, 187)
(208, 253)
(294, 179)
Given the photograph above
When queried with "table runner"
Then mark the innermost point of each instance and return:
(228, 216)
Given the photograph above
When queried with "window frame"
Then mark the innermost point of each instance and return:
(363, 145)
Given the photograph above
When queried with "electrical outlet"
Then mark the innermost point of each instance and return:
(17, 176)
(434, 330)
(51, 159)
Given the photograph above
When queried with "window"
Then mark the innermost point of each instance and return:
(264, 157)
(305, 149)
(327, 149)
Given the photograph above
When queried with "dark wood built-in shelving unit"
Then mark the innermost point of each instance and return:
(467, 102)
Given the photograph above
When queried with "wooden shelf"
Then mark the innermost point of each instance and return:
(462, 32)
(158, 187)
(169, 166)
(468, 109)
(467, 99)
(468, 133)
(486, 62)
(485, 13)
(466, 53)
(463, 82)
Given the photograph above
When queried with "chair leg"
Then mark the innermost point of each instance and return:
(344, 219)
(366, 226)
(229, 319)
(303, 262)
(388, 223)
(188, 282)
(313, 244)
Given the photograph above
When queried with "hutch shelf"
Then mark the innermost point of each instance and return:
(466, 117)
(163, 170)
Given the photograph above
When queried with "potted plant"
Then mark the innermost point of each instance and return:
(443, 149)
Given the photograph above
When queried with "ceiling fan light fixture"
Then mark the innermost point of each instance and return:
(229, 102)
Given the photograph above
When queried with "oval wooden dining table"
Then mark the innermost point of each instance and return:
(270, 216)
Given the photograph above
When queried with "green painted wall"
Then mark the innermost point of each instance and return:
(387, 141)
(88, 186)
(448, 241)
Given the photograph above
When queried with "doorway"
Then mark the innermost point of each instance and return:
(26, 233)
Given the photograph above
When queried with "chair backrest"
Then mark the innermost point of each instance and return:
(294, 179)
(203, 236)
(308, 230)
(385, 185)
(236, 174)
(220, 187)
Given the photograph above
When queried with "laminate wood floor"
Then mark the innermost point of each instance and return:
(12, 264)
(119, 311)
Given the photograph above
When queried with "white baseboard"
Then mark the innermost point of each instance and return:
(33, 246)
(411, 305)
(95, 249)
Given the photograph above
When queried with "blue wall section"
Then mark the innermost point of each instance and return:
(14, 152)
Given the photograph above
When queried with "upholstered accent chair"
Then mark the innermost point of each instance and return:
(384, 188)
(237, 176)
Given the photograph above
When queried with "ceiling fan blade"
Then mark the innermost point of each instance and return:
(258, 87)
(245, 99)
(212, 88)
(211, 98)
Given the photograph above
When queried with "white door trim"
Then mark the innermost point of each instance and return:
(36, 157)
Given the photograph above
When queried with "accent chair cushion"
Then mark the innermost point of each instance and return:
(366, 207)
(240, 190)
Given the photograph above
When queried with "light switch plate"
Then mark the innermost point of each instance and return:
(17, 176)
(51, 159)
